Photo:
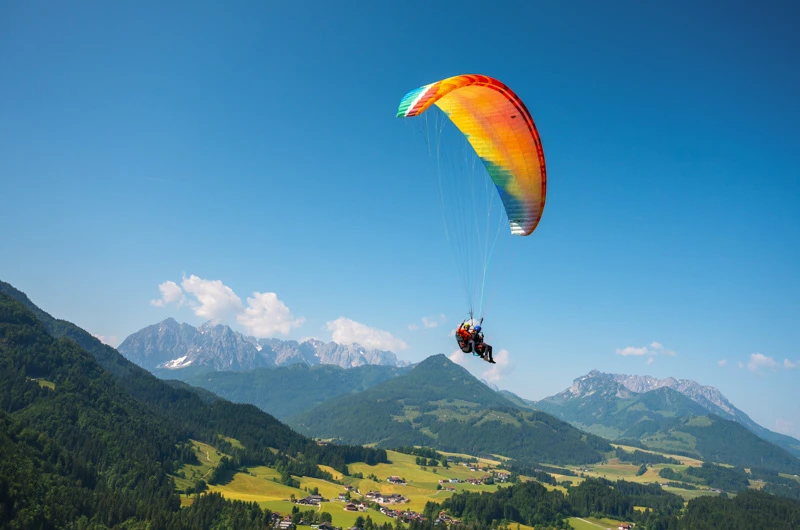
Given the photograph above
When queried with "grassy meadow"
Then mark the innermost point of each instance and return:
(261, 484)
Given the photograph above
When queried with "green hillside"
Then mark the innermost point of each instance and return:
(606, 414)
(191, 415)
(82, 443)
(439, 404)
(714, 439)
(307, 386)
(664, 419)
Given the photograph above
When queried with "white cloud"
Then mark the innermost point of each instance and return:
(112, 341)
(650, 360)
(214, 300)
(429, 322)
(759, 360)
(433, 322)
(346, 331)
(789, 365)
(501, 367)
(460, 358)
(631, 350)
(170, 292)
(266, 315)
(655, 348)
(723, 362)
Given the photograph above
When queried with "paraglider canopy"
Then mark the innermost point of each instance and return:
(501, 131)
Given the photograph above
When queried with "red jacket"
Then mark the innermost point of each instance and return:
(464, 334)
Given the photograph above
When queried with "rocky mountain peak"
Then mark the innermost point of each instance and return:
(169, 344)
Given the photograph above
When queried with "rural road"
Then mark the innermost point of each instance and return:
(595, 524)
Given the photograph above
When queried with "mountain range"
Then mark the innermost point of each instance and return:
(176, 347)
(620, 407)
(441, 405)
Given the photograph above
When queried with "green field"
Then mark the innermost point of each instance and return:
(261, 484)
(593, 523)
(258, 484)
(44, 383)
(616, 470)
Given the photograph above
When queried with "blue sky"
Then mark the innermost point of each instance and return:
(253, 148)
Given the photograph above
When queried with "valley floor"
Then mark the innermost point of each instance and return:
(262, 485)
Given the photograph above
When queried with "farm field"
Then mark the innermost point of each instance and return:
(616, 470)
(260, 484)
(593, 523)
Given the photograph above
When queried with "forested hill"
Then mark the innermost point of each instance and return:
(289, 390)
(69, 430)
(648, 506)
(440, 404)
(188, 412)
(80, 441)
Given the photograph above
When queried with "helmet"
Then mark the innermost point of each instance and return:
(466, 325)
(478, 329)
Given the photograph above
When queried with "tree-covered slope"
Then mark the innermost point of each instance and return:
(289, 390)
(713, 439)
(441, 405)
(620, 407)
(664, 419)
(618, 414)
(70, 429)
(188, 413)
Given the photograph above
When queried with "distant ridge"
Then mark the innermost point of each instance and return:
(619, 406)
(169, 345)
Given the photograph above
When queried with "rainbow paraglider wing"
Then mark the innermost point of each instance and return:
(501, 130)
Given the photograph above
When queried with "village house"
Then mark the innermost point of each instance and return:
(408, 516)
(396, 480)
(625, 526)
(350, 507)
(325, 526)
(313, 500)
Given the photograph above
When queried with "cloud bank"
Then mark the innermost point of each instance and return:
(264, 315)
(759, 361)
(651, 350)
(429, 322)
(346, 331)
(503, 366)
